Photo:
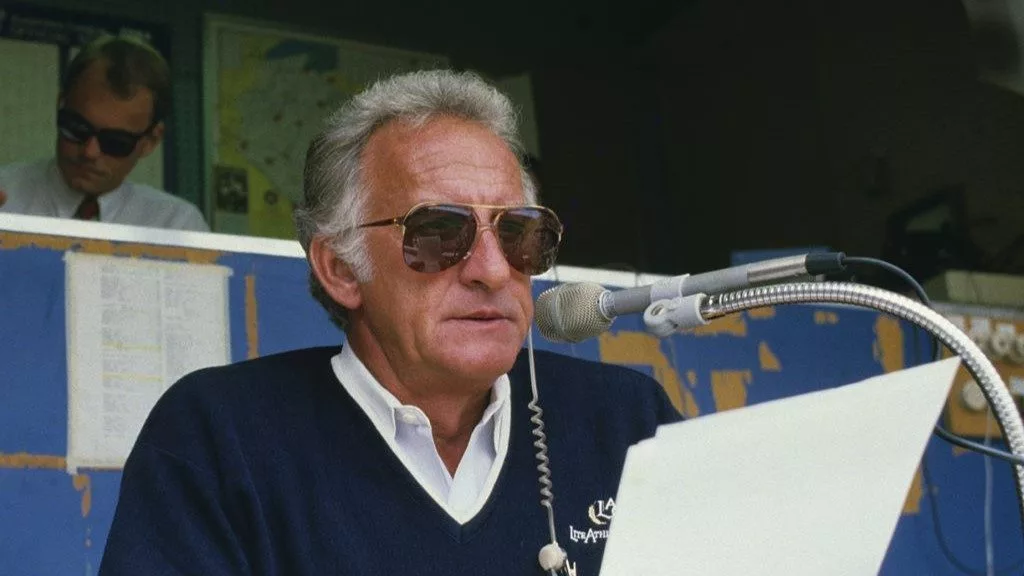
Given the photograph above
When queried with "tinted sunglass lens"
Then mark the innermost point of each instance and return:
(529, 238)
(116, 144)
(70, 135)
(71, 129)
(438, 237)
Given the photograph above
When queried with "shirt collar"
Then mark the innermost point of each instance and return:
(497, 409)
(67, 200)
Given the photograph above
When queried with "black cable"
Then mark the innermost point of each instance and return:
(944, 541)
(906, 277)
(986, 450)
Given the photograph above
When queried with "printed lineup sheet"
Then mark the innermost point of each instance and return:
(134, 327)
(808, 485)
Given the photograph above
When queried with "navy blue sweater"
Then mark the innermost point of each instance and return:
(268, 467)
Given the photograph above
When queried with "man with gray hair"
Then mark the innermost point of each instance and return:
(418, 447)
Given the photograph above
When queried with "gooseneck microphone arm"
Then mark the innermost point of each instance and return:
(694, 310)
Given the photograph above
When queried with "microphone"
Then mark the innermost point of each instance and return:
(577, 311)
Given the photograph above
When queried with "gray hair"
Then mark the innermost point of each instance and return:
(334, 197)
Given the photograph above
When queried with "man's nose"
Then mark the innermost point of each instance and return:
(486, 264)
(91, 148)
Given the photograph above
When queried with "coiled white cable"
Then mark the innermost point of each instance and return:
(552, 557)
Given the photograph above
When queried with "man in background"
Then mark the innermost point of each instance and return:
(113, 101)
(417, 448)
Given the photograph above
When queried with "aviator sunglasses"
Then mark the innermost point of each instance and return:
(437, 236)
(117, 143)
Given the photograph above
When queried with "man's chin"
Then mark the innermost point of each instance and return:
(484, 361)
(88, 186)
(84, 180)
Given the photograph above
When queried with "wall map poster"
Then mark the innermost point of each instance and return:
(268, 92)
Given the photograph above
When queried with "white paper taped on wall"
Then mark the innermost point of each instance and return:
(134, 327)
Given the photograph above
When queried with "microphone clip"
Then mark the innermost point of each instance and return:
(666, 317)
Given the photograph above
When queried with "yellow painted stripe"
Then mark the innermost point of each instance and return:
(25, 461)
(252, 334)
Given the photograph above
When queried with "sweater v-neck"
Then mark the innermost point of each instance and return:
(370, 437)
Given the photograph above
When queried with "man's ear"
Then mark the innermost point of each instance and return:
(151, 140)
(334, 274)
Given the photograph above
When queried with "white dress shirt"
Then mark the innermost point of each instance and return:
(408, 433)
(37, 189)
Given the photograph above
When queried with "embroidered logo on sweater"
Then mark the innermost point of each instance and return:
(600, 514)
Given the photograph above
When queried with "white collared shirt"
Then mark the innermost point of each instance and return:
(408, 433)
(37, 189)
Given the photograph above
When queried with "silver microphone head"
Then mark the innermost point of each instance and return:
(571, 312)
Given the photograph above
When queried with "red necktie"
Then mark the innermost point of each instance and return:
(89, 209)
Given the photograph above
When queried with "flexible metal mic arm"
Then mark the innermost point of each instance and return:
(664, 316)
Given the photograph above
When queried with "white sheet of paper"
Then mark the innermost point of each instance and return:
(808, 485)
(134, 327)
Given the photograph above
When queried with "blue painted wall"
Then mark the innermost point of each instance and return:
(53, 523)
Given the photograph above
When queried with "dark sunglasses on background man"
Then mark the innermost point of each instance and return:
(437, 236)
(117, 143)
